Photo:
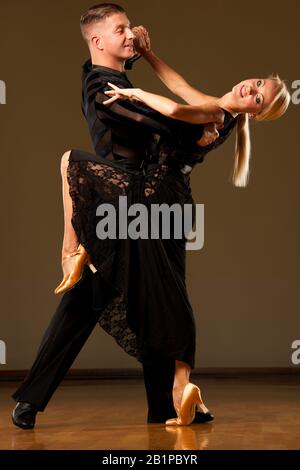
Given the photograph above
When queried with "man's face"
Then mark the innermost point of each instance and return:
(116, 37)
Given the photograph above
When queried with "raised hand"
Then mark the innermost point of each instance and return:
(141, 40)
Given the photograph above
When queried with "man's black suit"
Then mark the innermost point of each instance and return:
(75, 316)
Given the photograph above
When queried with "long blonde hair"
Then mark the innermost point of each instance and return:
(278, 106)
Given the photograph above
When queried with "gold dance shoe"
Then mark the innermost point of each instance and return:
(191, 400)
(79, 259)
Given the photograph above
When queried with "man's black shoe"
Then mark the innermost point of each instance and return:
(24, 415)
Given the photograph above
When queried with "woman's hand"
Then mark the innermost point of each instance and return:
(116, 93)
(210, 134)
(141, 40)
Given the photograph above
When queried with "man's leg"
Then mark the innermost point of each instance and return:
(71, 325)
(159, 379)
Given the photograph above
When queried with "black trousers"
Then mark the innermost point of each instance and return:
(69, 329)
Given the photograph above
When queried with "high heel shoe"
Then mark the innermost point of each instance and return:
(71, 279)
(191, 400)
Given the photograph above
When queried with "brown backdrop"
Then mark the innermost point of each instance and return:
(244, 283)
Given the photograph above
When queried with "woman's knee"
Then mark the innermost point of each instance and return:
(65, 161)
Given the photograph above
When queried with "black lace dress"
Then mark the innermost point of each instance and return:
(139, 288)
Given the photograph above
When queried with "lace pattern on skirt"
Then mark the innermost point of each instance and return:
(113, 320)
(92, 183)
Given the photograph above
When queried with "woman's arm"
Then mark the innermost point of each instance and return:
(175, 82)
(172, 79)
(206, 113)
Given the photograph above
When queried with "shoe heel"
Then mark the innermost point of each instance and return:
(199, 404)
(92, 267)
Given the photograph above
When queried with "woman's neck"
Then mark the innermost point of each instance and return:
(225, 103)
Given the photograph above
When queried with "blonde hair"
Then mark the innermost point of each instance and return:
(278, 106)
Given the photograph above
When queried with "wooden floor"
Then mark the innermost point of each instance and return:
(111, 414)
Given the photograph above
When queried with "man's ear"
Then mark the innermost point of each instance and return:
(97, 42)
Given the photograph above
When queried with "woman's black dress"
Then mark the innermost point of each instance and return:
(139, 288)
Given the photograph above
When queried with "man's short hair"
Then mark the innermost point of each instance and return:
(97, 13)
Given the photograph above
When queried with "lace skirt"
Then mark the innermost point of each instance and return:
(139, 289)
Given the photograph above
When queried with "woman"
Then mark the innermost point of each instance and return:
(164, 323)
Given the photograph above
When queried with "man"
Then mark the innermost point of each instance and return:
(106, 29)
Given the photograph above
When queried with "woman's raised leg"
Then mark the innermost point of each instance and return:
(74, 255)
(70, 241)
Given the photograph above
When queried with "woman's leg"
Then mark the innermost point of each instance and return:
(74, 255)
(70, 241)
(181, 378)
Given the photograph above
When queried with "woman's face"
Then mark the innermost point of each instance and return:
(252, 95)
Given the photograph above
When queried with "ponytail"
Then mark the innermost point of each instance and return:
(240, 175)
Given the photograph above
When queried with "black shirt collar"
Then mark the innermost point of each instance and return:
(88, 66)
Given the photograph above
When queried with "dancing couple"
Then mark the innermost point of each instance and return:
(146, 147)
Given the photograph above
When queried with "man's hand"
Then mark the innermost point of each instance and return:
(210, 134)
(141, 40)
